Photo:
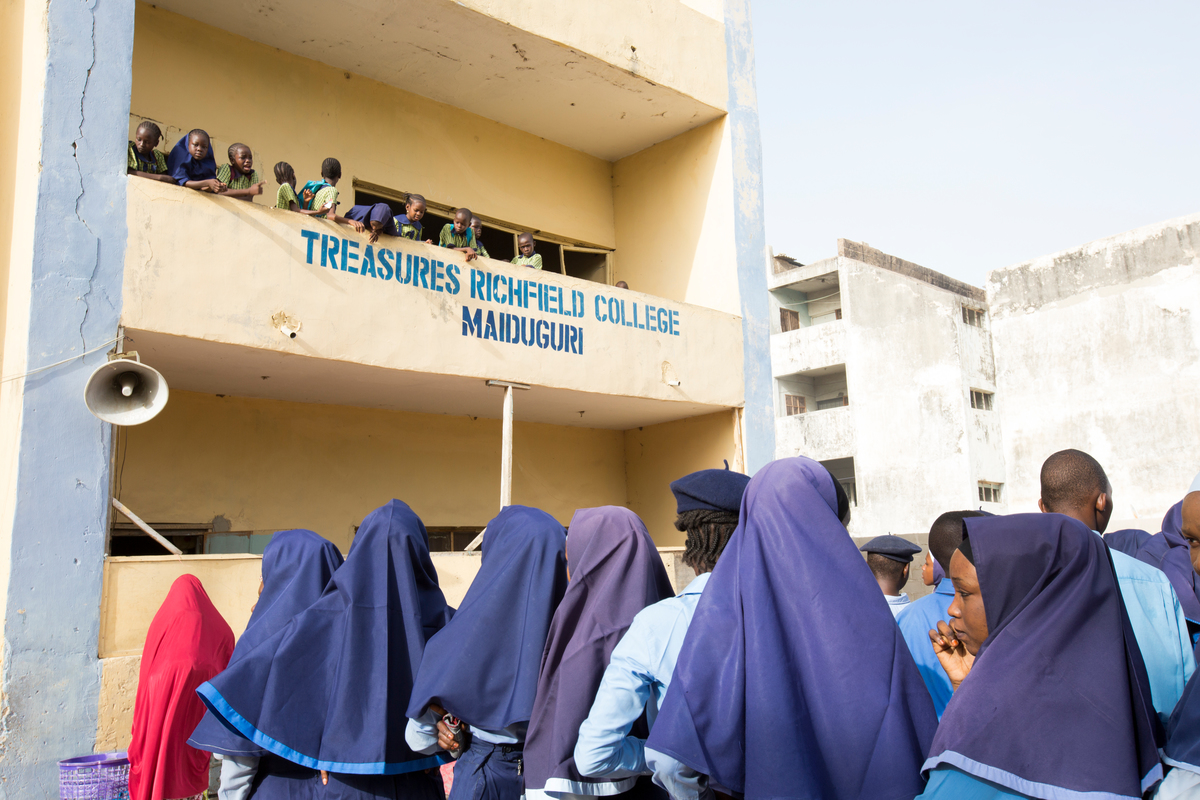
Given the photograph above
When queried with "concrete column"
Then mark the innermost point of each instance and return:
(64, 297)
(506, 445)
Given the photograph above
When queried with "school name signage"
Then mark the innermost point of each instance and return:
(543, 327)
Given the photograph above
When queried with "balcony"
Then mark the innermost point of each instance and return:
(822, 435)
(209, 282)
(808, 348)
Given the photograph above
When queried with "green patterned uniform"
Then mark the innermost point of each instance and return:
(481, 250)
(225, 171)
(326, 195)
(285, 197)
(534, 261)
(451, 239)
(159, 167)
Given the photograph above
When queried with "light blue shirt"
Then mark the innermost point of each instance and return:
(421, 734)
(897, 602)
(1159, 627)
(951, 783)
(916, 620)
(637, 677)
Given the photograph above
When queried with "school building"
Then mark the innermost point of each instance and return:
(623, 135)
(923, 394)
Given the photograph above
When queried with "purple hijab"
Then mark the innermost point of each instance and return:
(483, 666)
(615, 573)
(296, 566)
(794, 680)
(1168, 551)
(1057, 704)
(1183, 729)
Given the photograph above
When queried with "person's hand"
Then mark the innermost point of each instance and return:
(258, 187)
(446, 739)
(372, 237)
(429, 241)
(307, 195)
(358, 226)
(471, 254)
(951, 654)
(324, 778)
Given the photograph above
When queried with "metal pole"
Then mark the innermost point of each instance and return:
(506, 443)
(158, 537)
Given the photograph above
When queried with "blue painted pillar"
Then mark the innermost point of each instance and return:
(751, 235)
(51, 673)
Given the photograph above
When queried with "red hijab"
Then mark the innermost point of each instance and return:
(188, 643)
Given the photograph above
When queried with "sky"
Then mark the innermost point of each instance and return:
(968, 136)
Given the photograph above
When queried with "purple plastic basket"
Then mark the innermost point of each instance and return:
(104, 776)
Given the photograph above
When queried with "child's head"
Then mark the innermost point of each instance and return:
(331, 170)
(462, 220)
(477, 226)
(414, 207)
(198, 143)
(622, 285)
(240, 158)
(285, 174)
(146, 137)
(525, 244)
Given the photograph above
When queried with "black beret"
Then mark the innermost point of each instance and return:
(710, 490)
(892, 547)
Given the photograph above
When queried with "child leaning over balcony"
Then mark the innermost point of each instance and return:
(191, 163)
(477, 232)
(286, 198)
(320, 198)
(239, 174)
(458, 235)
(409, 223)
(527, 258)
(144, 160)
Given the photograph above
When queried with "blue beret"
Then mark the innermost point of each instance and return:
(710, 490)
(892, 547)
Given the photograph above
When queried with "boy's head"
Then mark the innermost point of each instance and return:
(462, 220)
(146, 137)
(331, 170)
(945, 535)
(240, 158)
(414, 207)
(285, 174)
(525, 244)
(1074, 483)
(477, 226)
(622, 285)
(198, 143)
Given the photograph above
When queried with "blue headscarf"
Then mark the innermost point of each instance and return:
(183, 168)
(379, 212)
(1183, 730)
(1169, 552)
(296, 566)
(1057, 704)
(329, 690)
(483, 666)
(793, 680)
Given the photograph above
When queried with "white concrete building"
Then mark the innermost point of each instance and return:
(923, 394)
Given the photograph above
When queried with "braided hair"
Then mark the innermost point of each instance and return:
(708, 532)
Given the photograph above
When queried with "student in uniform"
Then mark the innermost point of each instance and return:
(793, 680)
(296, 566)
(525, 256)
(145, 159)
(375, 219)
(240, 175)
(1052, 699)
(1182, 751)
(320, 198)
(615, 571)
(477, 232)
(639, 673)
(931, 571)
(191, 163)
(325, 695)
(286, 198)
(1169, 551)
(889, 558)
(188, 642)
(1074, 484)
(457, 235)
(482, 668)
(409, 223)
(923, 614)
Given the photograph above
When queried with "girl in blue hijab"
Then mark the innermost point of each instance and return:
(296, 566)
(482, 668)
(191, 163)
(329, 690)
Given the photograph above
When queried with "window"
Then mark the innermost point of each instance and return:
(788, 320)
(981, 400)
(989, 492)
(849, 488)
(973, 316)
(833, 402)
(450, 539)
(793, 404)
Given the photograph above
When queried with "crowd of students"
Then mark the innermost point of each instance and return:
(191, 164)
(1055, 662)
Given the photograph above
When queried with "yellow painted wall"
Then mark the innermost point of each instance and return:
(12, 17)
(674, 219)
(270, 465)
(658, 454)
(288, 108)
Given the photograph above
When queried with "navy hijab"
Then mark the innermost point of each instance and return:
(1168, 551)
(616, 571)
(1183, 729)
(483, 666)
(296, 566)
(793, 680)
(330, 689)
(183, 168)
(379, 212)
(1057, 704)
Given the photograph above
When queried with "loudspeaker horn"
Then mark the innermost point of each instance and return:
(125, 391)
